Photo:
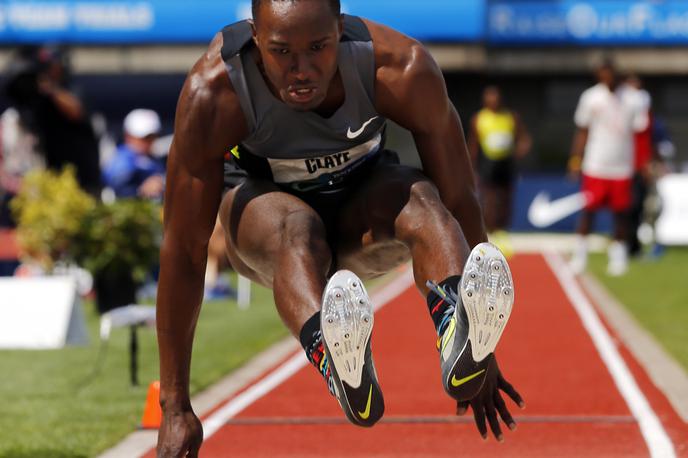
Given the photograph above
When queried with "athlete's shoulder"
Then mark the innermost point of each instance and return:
(398, 52)
(209, 110)
(207, 72)
(208, 81)
(409, 86)
(598, 90)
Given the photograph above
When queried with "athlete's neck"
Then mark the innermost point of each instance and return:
(334, 99)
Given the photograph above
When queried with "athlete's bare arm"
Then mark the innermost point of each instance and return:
(410, 90)
(580, 138)
(472, 140)
(208, 121)
(523, 141)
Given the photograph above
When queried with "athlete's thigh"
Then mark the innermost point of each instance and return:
(621, 195)
(366, 240)
(256, 217)
(596, 191)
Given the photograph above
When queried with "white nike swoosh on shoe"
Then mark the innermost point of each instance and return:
(351, 135)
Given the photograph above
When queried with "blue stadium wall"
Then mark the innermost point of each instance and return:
(496, 22)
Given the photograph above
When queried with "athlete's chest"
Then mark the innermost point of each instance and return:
(613, 111)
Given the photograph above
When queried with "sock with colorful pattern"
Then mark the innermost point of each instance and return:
(441, 304)
(312, 343)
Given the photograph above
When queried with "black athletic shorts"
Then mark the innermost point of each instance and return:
(327, 202)
(496, 173)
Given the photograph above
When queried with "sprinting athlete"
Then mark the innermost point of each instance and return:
(313, 202)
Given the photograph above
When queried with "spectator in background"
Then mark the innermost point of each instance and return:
(607, 116)
(496, 139)
(645, 152)
(19, 154)
(52, 110)
(19, 146)
(217, 286)
(134, 171)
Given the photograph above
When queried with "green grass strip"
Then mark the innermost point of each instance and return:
(656, 293)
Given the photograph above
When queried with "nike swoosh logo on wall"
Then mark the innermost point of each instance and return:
(543, 212)
(366, 413)
(456, 383)
(351, 135)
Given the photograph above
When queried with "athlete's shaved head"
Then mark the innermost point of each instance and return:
(335, 6)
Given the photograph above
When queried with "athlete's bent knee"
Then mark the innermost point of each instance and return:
(424, 210)
(303, 235)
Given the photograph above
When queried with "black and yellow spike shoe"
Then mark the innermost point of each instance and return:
(346, 322)
(475, 319)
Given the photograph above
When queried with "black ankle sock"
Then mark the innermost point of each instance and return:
(312, 343)
(311, 339)
(436, 304)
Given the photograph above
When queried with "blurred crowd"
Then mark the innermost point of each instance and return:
(48, 125)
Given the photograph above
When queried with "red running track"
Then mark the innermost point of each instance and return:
(573, 408)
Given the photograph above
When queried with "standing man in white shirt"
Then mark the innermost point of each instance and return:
(607, 116)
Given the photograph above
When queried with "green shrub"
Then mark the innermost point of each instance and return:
(49, 210)
(119, 237)
(59, 222)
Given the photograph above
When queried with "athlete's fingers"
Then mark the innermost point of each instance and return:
(479, 415)
(510, 391)
(503, 411)
(171, 451)
(494, 422)
(195, 447)
(462, 407)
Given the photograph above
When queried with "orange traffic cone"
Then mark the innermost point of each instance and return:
(152, 414)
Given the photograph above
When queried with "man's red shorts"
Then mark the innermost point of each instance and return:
(615, 194)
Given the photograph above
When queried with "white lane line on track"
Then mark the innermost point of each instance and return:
(262, 387)
(656, 438)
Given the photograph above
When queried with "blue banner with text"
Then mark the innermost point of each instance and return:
(576, 22)
(496, 22)
(184, 21)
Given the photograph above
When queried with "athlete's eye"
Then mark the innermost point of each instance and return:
(282, 51)
(318, 47)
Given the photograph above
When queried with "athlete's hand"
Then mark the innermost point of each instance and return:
(153, 187)
(488, 403)
(180, 435)
(573, 168)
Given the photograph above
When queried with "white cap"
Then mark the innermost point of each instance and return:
(141, 123)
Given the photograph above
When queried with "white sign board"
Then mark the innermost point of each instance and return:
(40, 313)
(672, 225)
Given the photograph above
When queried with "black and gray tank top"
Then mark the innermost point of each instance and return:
(303, 150)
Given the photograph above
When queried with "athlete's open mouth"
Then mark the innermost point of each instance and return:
(302, 94)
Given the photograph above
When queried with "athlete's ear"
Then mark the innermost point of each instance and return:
(254, 32)
(341, 24)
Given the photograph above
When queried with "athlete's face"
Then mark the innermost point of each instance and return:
(607, 76)
(298, 43)
(492, 99)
